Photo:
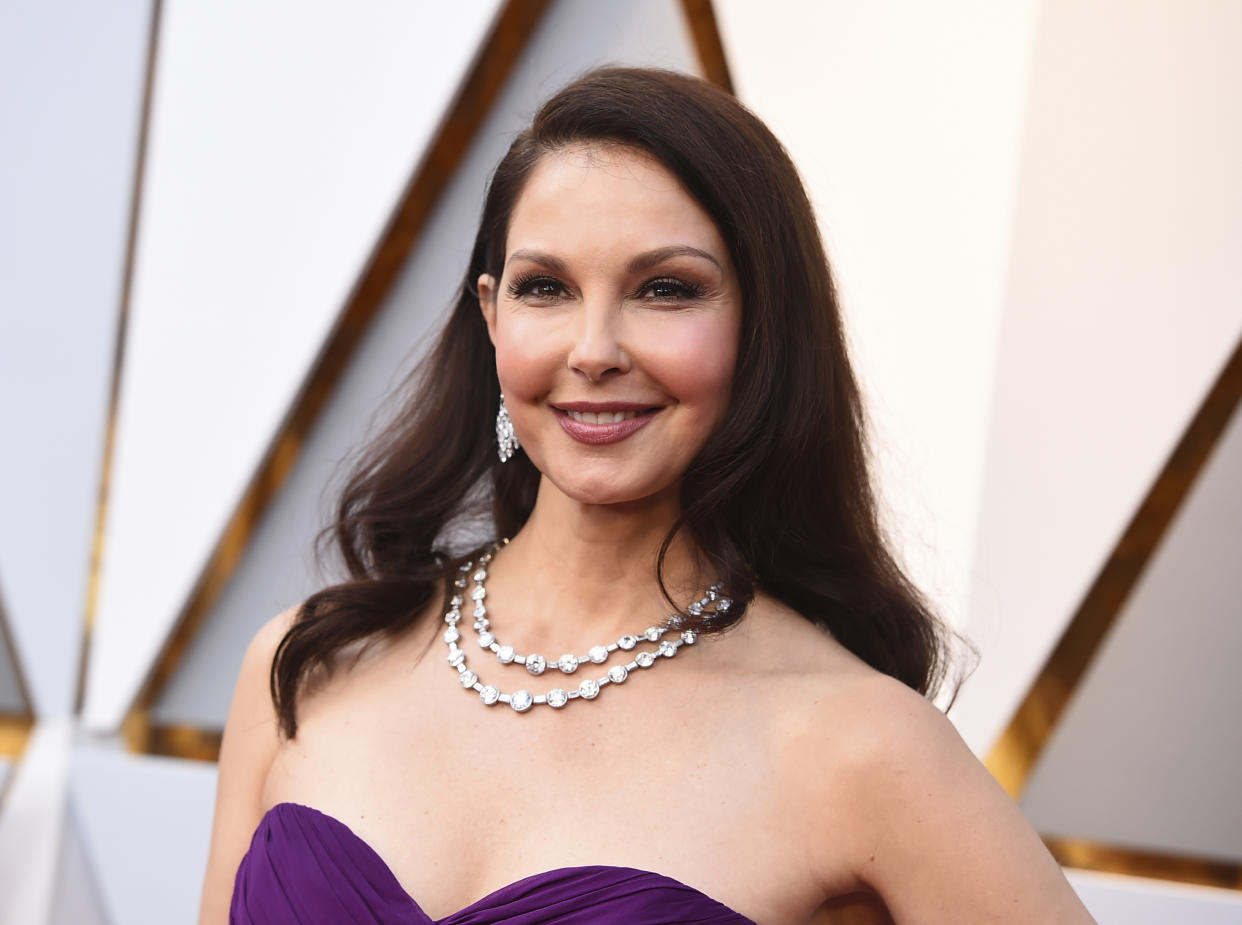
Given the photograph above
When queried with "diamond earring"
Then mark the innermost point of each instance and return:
(506, 439)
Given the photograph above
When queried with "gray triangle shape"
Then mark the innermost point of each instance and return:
(12, 700)
(77, 899)
(1147, 754)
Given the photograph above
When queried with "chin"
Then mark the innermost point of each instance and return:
(603, 494)
(604, 490)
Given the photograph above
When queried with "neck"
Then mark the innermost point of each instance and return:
(579, 574)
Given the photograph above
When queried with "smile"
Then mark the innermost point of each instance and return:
(599, 423)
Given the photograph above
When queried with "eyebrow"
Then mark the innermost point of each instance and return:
(642, 261)
(649, 259)
(544, 260)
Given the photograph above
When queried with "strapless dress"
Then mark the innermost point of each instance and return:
(305, 866)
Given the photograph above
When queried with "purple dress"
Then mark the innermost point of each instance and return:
(305, 866)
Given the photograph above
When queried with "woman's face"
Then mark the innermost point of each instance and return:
(615, 323)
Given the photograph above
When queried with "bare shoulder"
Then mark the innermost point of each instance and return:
(890, 727)
(251, 716)
(251, 729)
(899, 799)
(843, 713)
(247, 749)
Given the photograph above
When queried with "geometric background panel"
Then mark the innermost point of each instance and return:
(906, 122)
(32, 822)
(71, 90)
(12, 697)
(1147, 754)
(1122, 900)
(1124, 301)
(145, 825)
(276, 570)
(77, 900)
(280, 138)
(1034, 216)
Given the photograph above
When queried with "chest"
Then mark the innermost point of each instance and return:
(458, 799)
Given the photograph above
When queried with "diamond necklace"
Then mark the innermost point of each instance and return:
(568, 663)
(523, 700)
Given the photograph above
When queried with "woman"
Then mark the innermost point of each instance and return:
(645, 379)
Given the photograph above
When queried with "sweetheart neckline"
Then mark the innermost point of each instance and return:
(288, 805)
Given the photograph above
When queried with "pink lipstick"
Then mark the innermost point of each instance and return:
(581, 420)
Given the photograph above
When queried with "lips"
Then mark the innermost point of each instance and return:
(603, 422)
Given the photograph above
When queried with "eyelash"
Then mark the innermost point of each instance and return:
(522, 286)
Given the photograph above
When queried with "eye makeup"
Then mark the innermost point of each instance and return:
(544, 288)
(525, 285)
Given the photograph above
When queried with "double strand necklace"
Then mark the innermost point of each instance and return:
(558, 697)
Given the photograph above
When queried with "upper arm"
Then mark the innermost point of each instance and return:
(947, 843)
(246, 753)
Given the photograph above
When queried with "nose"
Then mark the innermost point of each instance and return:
(597, 351)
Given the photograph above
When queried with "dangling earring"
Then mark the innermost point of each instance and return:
(506, 439)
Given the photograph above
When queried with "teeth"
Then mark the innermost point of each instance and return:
(602, 417)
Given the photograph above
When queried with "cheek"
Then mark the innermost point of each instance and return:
(696, 362)
(524, 361)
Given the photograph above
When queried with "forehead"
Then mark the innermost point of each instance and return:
(609, 197)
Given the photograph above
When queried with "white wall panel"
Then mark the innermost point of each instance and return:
(145, 823)
(77, 900)
(1123, 302)
(71, 82)
(905, 119)
(1116, 900)
(1026, 205)
(32, 821)
(281, 135)
(276, 571)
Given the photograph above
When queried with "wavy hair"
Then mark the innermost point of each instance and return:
(779, 498)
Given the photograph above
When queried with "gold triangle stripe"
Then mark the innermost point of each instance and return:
(1019, 746)
(704, 29)
(1115, 859)
(118, 356)
(490, 69)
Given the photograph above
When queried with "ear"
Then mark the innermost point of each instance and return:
(487, 302)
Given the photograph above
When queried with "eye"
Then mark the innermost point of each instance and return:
(670, 289)
(537, 287)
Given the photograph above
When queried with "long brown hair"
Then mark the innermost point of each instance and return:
(779, 497)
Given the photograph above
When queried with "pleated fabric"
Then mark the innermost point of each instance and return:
(307, 867)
